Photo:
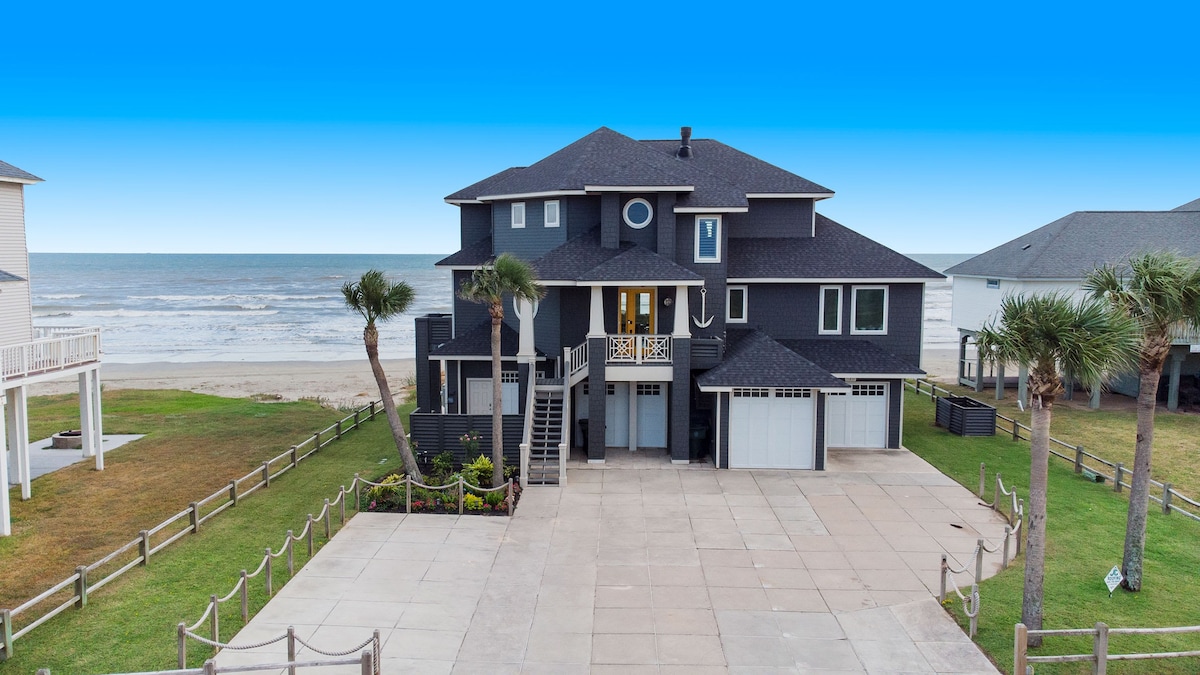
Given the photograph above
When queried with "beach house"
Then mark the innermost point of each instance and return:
(29, 354)
(1057, 257)
(697, 304)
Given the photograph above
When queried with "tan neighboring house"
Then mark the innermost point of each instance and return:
(29, 355)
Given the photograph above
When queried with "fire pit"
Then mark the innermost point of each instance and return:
(67, 440)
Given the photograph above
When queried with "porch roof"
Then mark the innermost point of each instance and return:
(478, 342)
(472, 255)
(756, 360)
(852, 357)
(640, 264)
(583, 259)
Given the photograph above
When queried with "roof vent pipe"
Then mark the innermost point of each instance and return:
(685, 139)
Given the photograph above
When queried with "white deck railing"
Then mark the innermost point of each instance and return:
(54, 349)
(639, 348)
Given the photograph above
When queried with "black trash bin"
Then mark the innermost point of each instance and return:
(698, 442)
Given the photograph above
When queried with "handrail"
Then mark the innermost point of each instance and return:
(82, 579)
(1120, 476)
(1100, 655)
(48, 354)
(527, 432)
(639, 349)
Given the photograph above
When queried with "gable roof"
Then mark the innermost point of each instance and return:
(641, 264)
(478, 342)
(1072, 246)
(852, 357)
(755, 360)
(473, 255)
(716, 176)
(584, 259)
(836, 252)
(6, 276)
(1193, 205)
(11, 174)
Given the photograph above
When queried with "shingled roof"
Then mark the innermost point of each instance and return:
(478, 342)
(6, 276)
(852, 357)
(720, 176)
(8, 171)
(1193, 205)
(641, 264)
(472, 254)
(1072, 246)
(836, 252)
(755, 360)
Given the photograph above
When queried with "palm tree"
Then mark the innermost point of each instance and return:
(488, 285)
(1045, 333)
(377, 299)
(1161, 291)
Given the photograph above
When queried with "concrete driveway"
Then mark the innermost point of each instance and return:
(645, 567)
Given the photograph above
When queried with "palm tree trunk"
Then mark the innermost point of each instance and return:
(1139, 490)
(497, 312)
(371, 340)
(1035, 549)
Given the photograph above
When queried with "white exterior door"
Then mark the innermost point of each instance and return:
(479, 395)
(771, 428)
(652, 415)
(616, 415)
(857, 419)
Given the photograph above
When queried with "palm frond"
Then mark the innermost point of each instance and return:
(377, 298)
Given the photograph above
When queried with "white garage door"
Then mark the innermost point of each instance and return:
(857, 419)
(771, 429)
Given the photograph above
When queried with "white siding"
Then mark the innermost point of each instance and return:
(974, 304)
(16, 313)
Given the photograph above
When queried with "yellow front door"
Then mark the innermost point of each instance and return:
(636, 306)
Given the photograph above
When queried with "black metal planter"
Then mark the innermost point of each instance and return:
(966, 416)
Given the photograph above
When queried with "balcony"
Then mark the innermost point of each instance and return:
(639, 349)
(53, 350)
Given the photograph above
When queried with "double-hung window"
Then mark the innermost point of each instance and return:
(868, 310)
(518, 214)
(735, 304)
(708, 239)
(831, 310)
(551, 213)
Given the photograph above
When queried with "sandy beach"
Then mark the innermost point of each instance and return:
(336, 383)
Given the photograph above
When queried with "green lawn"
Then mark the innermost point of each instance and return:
(1085, 532)
(130, 624)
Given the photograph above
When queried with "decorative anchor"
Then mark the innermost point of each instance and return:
(702, 323)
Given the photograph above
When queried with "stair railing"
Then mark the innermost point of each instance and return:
(567, 426)
(527, 435)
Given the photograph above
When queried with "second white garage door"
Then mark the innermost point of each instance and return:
(771, 428)
(857, 419)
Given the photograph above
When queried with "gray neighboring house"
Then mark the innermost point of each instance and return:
(1057, 257)
(697, 303)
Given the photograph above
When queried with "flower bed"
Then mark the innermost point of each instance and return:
(441, 493)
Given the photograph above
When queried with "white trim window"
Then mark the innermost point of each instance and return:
(993, 284)
(735, 304)
(551, 209)
(707, 247)
(831, 311)
(868, 310)
(637, 213)
(518, 215)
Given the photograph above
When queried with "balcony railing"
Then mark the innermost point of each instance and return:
(54, 349)
(1182, 334)
(639, 349)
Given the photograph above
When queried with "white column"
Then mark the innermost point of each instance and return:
(526, 352)
(18, 403)
(97, 418)
(681, 312)
(633, 409)
(5, 515)
(596, 325)
(86, 410)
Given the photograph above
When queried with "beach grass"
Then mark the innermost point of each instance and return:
(1085, 537)
(130, 625)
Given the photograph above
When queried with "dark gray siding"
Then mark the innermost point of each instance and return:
(773, 218)
(583, 214)
(646, 237)
(895, 397)
(610, 220)
(574, 311)
(548, 324)
(713, 273)
(476, 222)
(467, 314)
(819, 442)
(665, 224)
(791, 311)
(528, 242)
(681, 389)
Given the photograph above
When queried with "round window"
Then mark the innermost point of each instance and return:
(638, 213)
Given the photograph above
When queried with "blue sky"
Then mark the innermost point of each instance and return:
(306, 127)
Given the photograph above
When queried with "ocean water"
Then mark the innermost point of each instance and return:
(207, 307)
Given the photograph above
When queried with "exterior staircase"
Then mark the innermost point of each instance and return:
(547, 442)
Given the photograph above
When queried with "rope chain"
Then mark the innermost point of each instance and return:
(222, 645)
(348, 652)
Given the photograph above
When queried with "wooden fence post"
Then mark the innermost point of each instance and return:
(1100, 649)
(328, 518)
(356, 418)
(461, 494)
(210, 667)
(342, 505)
(266, 475)
(1024, 525)
(181, 648)
(1167, 498)
(1016, 429)
(982, 481)
(365, 666)
(267, 569)
(144, 547)
(357, 485)
(942, 592)
(310, 535)
(6, 632)
(1079, 459)
(194, 515)
(1004, 557)
(407, 493)
(245, 597)
(338, 429)
(294, 453)
(291, 648)
(291, 554)
(509, 497)
(214, 622)
(1020, 644)
(1117, 477)
(233, 495)
(372, 409)
(316, 441)
(81, 586)
(978, 560)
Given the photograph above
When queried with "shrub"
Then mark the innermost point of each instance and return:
(473, 502)
(389, 494)
(479, 472)
(494, 498)
(443, 465)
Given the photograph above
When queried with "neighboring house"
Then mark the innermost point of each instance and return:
(1057, 257)
(696, 301)
(29, 355)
